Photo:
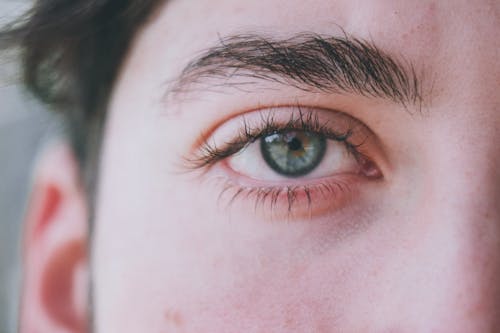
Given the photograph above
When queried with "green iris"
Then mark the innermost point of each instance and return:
(293, 153)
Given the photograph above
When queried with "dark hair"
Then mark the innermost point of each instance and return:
(71, 52)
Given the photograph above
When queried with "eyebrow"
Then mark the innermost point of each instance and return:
(309, 62)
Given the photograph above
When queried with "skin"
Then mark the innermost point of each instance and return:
(414, 251)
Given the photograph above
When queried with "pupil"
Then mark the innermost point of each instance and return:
(295, 144)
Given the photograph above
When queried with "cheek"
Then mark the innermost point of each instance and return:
(169, 259)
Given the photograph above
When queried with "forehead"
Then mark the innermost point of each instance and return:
(408, 25)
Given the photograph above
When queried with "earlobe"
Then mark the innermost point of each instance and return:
(61, 286)
(55, 248)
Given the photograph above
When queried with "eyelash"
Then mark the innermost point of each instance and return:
(292, 194)
(210, 154)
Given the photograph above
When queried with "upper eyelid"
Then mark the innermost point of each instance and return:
(304, 118)
(274, 109)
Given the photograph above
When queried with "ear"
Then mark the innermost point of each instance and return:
(55, 247)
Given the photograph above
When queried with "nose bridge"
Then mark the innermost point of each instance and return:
(465, 168)
(463, 206)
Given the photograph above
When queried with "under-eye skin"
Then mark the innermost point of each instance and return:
(296, 160)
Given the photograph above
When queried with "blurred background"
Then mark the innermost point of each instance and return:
(23, 125)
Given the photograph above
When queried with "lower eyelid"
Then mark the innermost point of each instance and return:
(287, 201)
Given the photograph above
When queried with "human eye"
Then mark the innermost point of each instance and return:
(289, 160)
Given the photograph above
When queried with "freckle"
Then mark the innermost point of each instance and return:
(297, 271)
(174, 317)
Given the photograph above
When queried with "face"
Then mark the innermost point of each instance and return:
(291, 166)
